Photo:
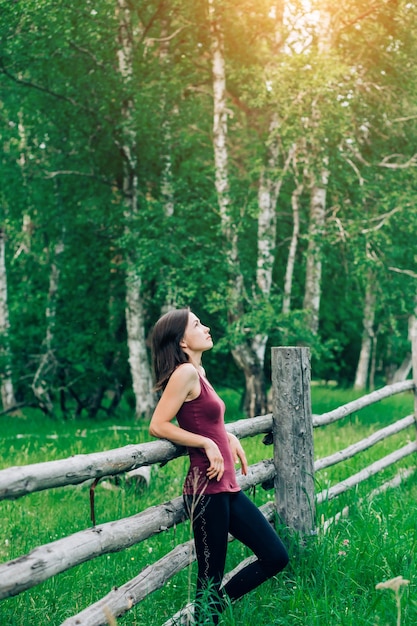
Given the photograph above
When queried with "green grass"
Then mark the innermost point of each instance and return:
(330, 580)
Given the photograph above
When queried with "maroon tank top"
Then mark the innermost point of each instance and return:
(205, 416)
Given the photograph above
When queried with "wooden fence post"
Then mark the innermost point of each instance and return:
(293, 438)
(412, 332)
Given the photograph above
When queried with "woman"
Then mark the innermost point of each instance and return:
(212, 496)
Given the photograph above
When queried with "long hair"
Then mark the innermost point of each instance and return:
(167, 353)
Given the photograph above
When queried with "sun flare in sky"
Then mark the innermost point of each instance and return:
(304, 19)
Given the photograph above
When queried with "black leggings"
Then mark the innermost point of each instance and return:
(213, 517)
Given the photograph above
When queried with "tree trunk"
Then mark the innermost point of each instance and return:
(167, 187)
(7, 391)
(367, 334)
(248, 355)
(40, 385)
(167, 179)
(403, 370)
(255, 401)
(135, 323)
(269, 189)
(138, 357)
(289, 271)
(312, 292)
(267, 219)
(373, 363)
(406, 366)
(243, 353)
(267, 231)
(318, 193)
(221, 156)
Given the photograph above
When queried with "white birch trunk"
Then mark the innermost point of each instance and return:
(367, 334)
(267, 231)
(242, 353)
(269, 189)
(6, 382)
(7, 391)
(289, 271)
(40, 386)
(317, 222)
(249, 355)
(221, 157)
(409, 363)
(138, 357)
(167, 188)
(267, 219)
(372, 369)
(403, 370)
(312, 294)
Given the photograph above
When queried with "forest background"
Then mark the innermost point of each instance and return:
(252, 159)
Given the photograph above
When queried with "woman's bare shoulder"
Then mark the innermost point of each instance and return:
(185, 372)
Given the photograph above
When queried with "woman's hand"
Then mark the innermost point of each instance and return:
(238, 452)
(216, 467)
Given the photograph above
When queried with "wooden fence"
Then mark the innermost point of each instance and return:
(290, 472)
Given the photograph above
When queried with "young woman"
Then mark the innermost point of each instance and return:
(212, 496)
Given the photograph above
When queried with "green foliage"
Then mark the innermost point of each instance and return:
(63, 100)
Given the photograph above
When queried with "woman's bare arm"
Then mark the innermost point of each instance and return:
(182, 386)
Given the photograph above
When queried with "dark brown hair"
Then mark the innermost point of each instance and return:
(167, 353)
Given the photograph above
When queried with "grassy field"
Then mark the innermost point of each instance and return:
(331, 579)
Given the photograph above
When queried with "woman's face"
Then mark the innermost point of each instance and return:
(197, 337)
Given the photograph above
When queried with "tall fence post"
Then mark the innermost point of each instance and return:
(413, 338)
(293, 438)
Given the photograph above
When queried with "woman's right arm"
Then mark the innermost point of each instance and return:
(182, 385)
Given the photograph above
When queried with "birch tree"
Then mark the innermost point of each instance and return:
(6, 382)
(47, 364)
(368, 335)
(252, 298)
(318, 173)
(292, 250)
(269, 188)
(135, 315)
(250, 360)
(316, 233)
(167, 176)
(167, 184)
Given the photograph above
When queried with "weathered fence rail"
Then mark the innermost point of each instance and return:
(58, 556)
(16, 482)
(290, 471)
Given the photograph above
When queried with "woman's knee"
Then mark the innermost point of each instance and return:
(277, 560)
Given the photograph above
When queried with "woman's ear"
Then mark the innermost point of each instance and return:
(183, 343)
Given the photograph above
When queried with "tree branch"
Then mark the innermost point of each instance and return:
(356, 170)
(17, 407)
(87, 53)
(49, 175)
(149, 41)
(406, 272)
(27, 83)
(404, 119)
(398, 166)
(148, 26)
(362, 16)
(381, 219)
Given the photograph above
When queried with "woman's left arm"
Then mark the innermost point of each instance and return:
(238, 452)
